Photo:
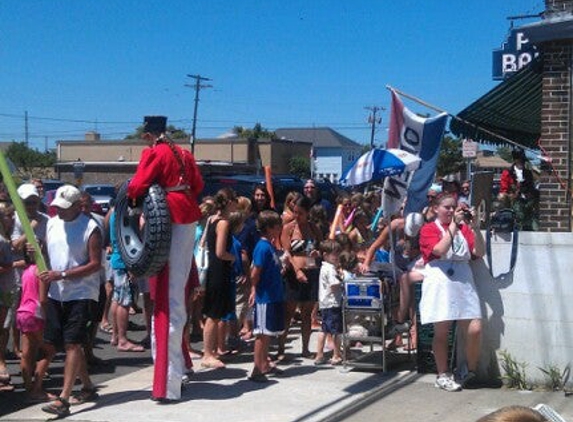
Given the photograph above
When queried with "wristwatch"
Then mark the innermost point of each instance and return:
(64, 275)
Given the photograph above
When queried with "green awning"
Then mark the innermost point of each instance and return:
(512, 109)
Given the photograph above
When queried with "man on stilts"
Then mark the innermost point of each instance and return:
(175, 170)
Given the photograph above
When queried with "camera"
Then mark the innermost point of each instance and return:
(468, 215)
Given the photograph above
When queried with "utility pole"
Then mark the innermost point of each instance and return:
(26, 131)
(197, 86)
(373, 120)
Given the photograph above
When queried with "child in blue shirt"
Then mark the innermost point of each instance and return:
(266, 293)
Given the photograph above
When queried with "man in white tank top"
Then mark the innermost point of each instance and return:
(73, 243)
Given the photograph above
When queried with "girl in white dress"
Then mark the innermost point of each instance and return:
(448, 290)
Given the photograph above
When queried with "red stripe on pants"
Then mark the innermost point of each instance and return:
(161, 332)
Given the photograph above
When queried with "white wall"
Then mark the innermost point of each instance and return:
(529, 314)
(328, 166)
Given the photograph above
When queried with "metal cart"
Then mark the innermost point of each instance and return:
(364, 306)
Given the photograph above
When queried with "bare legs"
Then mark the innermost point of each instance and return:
(210, 358)
(305, 325)
(472, 329)
(261, 355)
(407, 281)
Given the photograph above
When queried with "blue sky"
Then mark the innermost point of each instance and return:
(78, 65)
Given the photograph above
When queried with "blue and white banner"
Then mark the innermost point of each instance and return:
(419, 136)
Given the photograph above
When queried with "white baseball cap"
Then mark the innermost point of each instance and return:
(413, 224)
(66, 196)
(26, 190)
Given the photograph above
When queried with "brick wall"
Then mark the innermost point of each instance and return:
(555, 201)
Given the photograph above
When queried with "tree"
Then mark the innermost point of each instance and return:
(175, 133)
(30, 162)
(300, 166)
(450, 160)
(258, 131)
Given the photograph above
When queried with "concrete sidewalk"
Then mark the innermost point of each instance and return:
(305, 393)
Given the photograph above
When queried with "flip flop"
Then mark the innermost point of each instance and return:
(320, 361)
(5, 376)
(258, 377)
(6, 387)
(131, 348)
(107, 329)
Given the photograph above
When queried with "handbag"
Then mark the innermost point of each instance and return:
(203, 257)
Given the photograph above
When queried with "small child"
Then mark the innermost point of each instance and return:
(30, 322)
(7, 290)
(266, 294)
(330, 303)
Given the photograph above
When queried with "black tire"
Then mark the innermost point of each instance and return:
(144, 252)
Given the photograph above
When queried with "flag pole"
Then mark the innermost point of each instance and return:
(419, 101)
(453, 116)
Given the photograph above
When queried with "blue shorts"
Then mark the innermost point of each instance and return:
(331, 320)
(269, 319)
(123, 289)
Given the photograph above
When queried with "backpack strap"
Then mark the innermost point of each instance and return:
(514, 248)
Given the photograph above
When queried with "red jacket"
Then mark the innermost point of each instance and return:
(159, 165)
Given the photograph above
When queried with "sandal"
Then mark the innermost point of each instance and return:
(258, 377)
(84, 395)
(320, 361)
(5, 376)
(273, 370)
(106, 328)
(59, 407)
(6, 388)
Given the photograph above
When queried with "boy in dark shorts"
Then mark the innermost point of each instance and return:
(266, 293)
(329, 303)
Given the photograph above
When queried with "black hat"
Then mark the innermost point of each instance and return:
(154, 124)
(518, 154)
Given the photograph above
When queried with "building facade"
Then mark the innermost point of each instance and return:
(114, 161)
(332, 152)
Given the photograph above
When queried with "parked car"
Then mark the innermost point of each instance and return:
(102, 194)
(51, 184)
(244, 185)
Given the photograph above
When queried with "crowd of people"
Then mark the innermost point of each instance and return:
(265, 272)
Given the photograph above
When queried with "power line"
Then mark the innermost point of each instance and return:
(373, 120)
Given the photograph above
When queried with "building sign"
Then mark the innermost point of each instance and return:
(515, 53)
(469, 149)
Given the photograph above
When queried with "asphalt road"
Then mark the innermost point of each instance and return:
(114, 364)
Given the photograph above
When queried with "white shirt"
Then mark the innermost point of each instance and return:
(67, 243)
(327, 296)
(39, 231)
